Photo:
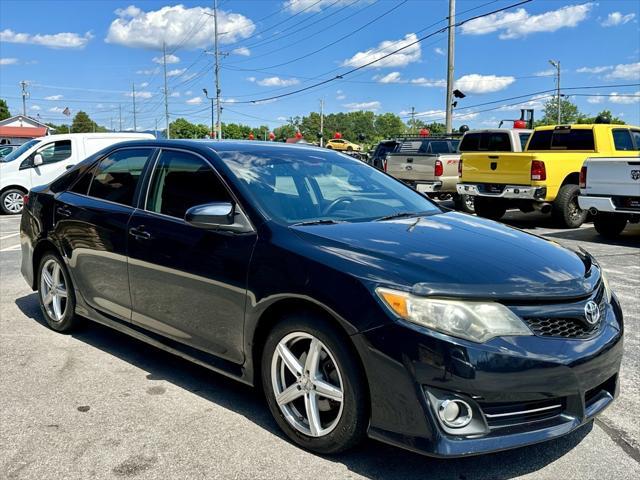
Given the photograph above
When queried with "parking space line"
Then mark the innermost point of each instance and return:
(10, 235)
(13, 248)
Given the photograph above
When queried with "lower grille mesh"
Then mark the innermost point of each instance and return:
(560, 327)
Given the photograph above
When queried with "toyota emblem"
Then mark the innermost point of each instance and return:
(592, 312)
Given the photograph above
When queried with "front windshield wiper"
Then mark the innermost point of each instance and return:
(397, 215)
(326, 221)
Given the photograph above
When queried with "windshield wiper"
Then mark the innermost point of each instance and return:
(326, 221)
(397, 215)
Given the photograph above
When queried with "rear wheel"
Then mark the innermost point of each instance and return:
(609, 225)
(489, 208)
(314, 385)
(349, 149)
(55, 293)
(464, 203)
(566, 210)
(12, 201)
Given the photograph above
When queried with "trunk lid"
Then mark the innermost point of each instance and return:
(419, 166)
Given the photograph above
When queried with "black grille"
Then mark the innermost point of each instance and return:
(521, 414)
(561, 327)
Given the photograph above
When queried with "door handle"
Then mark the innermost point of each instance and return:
(139, 233)
(63, 211)
(69, 166)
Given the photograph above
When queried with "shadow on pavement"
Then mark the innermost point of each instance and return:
(371, 459)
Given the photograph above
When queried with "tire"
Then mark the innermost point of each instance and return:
(60, 316)
(609, 225)
(464, 203)
(11, 201)
(341, 425)
(565, 210)
(489, 208)
(329, 147)
(349, 149)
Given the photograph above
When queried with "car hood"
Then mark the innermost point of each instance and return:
(454, 254)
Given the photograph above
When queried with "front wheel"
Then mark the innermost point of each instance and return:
(489, 208)
(609, 225)
(566, 211)
(12, 201)
(314, 385)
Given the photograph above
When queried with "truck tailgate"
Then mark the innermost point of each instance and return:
(608, 176)
(496, 167)
(417, 166)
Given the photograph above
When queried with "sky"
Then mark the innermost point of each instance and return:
(88, 54)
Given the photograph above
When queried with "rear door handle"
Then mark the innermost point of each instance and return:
(139, 233)
(63, 211)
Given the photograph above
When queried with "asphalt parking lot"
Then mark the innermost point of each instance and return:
(98, 404)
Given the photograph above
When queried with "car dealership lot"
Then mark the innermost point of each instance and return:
(99, 404)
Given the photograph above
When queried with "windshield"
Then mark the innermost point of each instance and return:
(300, 185)
(19, 151)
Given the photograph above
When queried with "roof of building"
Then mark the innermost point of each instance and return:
(23, 132)
(23, 118)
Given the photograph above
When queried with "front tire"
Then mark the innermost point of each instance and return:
(489, 208)
(566, 211)
(12, 201)
(56, 294)
(609, 225)
(314, 385)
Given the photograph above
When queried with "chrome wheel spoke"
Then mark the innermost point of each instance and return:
(48, 298)
(56, 274)
(289, 395)
(313, 413)
(290, 360)
(326, 390)
(62, 291)
(57, 307)
(46, 276)
(313, 357)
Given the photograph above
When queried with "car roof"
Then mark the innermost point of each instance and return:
(227, 145)
(67, 136)
(587, 126)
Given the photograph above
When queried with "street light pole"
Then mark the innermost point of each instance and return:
(206, 94)
(166, 91)
(450, 65)
(322, 122)
(217, 69)
(556, 65)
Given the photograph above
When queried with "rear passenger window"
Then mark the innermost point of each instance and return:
(636, 138)
(622, 139)
(116, 176)
(82, 185)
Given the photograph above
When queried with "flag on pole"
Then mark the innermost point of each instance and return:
(66, 111)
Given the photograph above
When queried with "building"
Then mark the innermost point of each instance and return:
(19, 129)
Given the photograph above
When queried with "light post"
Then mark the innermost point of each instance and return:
(556, 65)
(206, 94)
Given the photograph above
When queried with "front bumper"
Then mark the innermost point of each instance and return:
(516, 192)
(404, 362)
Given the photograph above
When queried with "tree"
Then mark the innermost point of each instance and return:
(603, 114)
(388, 125)
(82, 123)
(569, 112)
(181, 128)
(4, 110)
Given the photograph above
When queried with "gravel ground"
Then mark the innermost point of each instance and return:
(98, 404)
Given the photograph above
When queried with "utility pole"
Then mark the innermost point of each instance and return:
(133, 95)
(206, 94)
(322, 122)
(25, 95)
(217, 69)
(166, 92)
(120, 116)
(413, 120)
(556, 65)
(450, 62)
(156, 132)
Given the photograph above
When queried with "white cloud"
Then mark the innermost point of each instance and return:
(194, 101)
(401, 59)
(140, 94)
(277, 82)
(617, 18)
(340, 95)
(393, 77)
(429, 82)
(375, 105)
(595, 99)
(520, 23)
(57, 40)
(251, 79)
(546, 73)
(228, 100)
(621, 99)
(8, 61)
(629, 71)
(295, 6)
(56, 109)
(150, 71)
(594, 69)
(282, 119)
(536, 102)
(170, 59)
(440, 114)
(144, 84)
(188, 92)
(53, 97)
(242, 51)
(176, 72)
(176, 26)
(475, 83)
(174, 94)
(35, 107)
(439, 51)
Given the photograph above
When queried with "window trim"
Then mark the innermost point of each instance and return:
(142, 202)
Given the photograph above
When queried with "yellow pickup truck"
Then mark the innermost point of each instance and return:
(545, 176)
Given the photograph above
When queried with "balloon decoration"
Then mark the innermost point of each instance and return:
(298, 135)
(424, 132)
(272, 136)
(337, 135)
(251, 137)
(519, 124)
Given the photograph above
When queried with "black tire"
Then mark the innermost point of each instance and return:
(351, 423)
(489, 208)
(329, 147)
(609, 225)
(565, 210)
(11, 199)
(68, 320)
(464, 203)
(349, 149)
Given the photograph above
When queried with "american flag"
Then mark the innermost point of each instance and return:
(66, 111)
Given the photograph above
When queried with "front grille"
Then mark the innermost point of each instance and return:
(561, 327)
(521, 414)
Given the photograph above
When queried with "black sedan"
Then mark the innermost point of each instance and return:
(355, 303)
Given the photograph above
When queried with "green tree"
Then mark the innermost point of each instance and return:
(569, 112)
(82, 123)
(182, 128)
(603, 114)
(4, 110)
(388, 125)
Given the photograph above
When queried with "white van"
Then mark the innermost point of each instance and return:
(41, 160)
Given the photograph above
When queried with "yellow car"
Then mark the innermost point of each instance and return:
(343, 145)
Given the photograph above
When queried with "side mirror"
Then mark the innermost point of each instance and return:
(211, 215)
(37, 160)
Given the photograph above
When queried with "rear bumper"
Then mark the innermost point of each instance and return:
(602, 204)
(515, 192)
(427, 187)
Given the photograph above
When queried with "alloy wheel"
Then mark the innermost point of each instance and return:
(307, 384)
(53, 290)
(13, 202)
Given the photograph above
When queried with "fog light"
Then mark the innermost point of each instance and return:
(455, 413)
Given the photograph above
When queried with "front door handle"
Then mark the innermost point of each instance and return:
(69, 166)
(63, 211)
(139, 233)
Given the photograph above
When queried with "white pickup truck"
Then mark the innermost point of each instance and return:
(41, 160)
(610, 190)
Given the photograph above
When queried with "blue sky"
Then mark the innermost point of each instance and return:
(85, 54)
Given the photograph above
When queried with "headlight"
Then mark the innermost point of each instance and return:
(475, 321)
(607, 287)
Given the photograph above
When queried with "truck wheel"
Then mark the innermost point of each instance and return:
(11, 201)
(566, 210)
(464, 203)
(609, 225)
(489, 208)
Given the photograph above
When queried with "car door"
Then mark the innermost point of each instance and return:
(188, 283)
(91, 221)
(55, 157)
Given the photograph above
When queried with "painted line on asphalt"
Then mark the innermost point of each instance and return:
(11, 249)
(618, 438)
(9, 236)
